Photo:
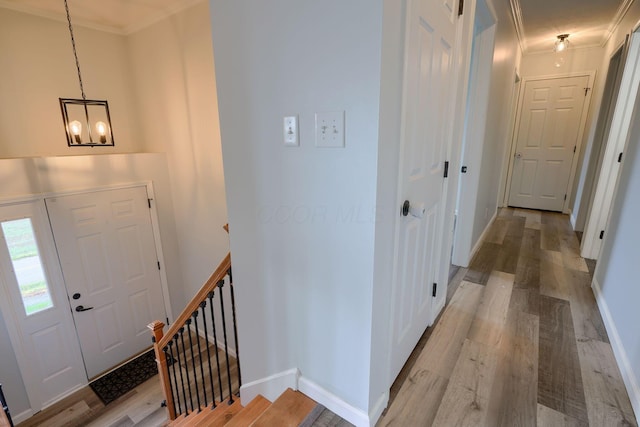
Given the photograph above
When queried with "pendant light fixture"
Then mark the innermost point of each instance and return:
(562, 43)
(86, 121)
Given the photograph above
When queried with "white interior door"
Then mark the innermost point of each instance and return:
(107, 251)
(549, 130)
(34, 303)
(428, 91)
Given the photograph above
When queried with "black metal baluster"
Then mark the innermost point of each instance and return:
(175, 377)
(184, 392)
(215, 339)
(235, 326)
(226, 345)
(186, 367)
(203, 304)
(165, 350)
(193, 363)
(204, 387)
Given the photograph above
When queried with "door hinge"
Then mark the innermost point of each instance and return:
(574, 148)
(167, 320)
(460, 7)
(601, 234)
(435, 289)
(158, 265)
(586, 90)
(620, 158)
(565, 197)
(446, 169)
(149, 202)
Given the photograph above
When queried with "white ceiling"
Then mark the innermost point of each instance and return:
(116, 16)
(538, 22)
(588, 22)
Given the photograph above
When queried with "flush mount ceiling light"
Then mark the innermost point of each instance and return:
(86, 121)
(562, 43)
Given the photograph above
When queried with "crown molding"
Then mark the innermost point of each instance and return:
(30, 10)
(157, 17)
(617, 19)
(122, 31)
(516, 14)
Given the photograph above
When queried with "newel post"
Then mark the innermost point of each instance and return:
(163, 369)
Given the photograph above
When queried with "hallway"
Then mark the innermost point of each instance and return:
(521, 343)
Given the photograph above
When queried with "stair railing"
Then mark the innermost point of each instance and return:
(190, 379)
(5, 415)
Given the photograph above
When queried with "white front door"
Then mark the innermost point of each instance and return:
(549, 130)
(34, 304)
(108, 256)
(426, 116)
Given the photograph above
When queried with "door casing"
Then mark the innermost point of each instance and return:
(583, 120)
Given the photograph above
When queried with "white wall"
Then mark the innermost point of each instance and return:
(497, 137)
(37, 67)
(302, 219)
(33, 176)
(174, 82)
(616, 276)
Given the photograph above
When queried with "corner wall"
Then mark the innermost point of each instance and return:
(302, 218)
(175, 87)
(497, 138)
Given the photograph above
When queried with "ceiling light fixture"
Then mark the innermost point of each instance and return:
(87, 122)
(562, 43)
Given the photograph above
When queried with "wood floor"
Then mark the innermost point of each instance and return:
(140, 407)
(521, 343)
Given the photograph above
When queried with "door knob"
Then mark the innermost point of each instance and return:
(405, 208)
(81, 308)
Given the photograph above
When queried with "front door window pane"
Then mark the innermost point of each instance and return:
(25, 257)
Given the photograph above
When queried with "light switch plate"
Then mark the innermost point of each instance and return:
(330, 129)
(290, 131)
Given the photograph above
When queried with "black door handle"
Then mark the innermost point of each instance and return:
(81, 308)
(405, 208)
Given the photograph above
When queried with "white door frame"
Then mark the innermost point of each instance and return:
(475, 123)
(579, 142)
(607, 184)
(10, 318)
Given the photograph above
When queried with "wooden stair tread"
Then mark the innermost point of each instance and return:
(219, 416)
(289, 410)
(250, 413)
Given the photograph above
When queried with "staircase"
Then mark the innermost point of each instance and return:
(289, 410)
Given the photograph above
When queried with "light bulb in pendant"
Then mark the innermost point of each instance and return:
(76, 130)
(101, 128)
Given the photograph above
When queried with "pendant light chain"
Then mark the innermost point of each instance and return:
(75, 54)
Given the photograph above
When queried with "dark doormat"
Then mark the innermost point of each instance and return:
(124, 379)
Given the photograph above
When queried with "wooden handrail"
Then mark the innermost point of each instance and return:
(161, 338)
(194, 304)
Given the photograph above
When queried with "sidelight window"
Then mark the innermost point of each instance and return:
(27, 265)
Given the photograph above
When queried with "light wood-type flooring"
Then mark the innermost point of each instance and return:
(520, 343)
(140, 407)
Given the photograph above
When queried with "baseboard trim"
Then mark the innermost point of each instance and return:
(628, 376)
(270, 387)
(336, 405)
(219, 344)
(476, 246)
(573, 220)
(22, 416)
